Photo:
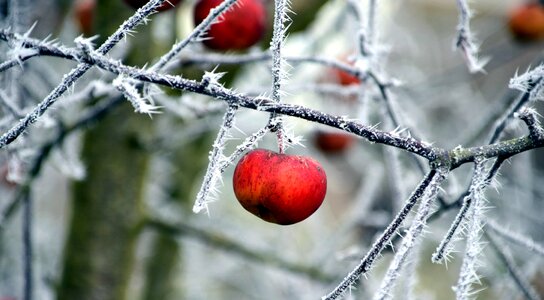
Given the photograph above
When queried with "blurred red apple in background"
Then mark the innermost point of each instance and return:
(332, 142)
(241, 27)
(527, 22)
(279, 188)
(343, 77)
(84, 13)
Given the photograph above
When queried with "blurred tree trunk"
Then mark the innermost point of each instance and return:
(189, 162)
(107, 208)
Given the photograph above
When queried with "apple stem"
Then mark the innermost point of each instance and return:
(278, 73)
(281, 142)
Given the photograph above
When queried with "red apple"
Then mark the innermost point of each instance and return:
(84, 14)
(333, 142)
(279, 188)
(241, 27)
(527, 22)
(168, 4)
(343, 77)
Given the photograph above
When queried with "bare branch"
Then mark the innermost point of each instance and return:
(70, 78)
(433, 178)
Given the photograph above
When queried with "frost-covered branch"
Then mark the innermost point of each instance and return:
(411, 238)
(279, 73)
(475, 222)
(506, 148)
(196, 35)
(465, 41)
(249, 143)
(89, 117)
(444, 249)
(219, 162)
(133, 96)
(258, 103)
(515, 237)
(18, 60)
(530, 117)
(70, 78)
(524, 286)
(433, 178)
(213, 173)
(478, 184)
(527, 87)
(456, 156)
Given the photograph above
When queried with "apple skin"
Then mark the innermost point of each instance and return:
(332, 142)
(343, 77)
(240, 27)
(165, 6)
(527, 22)
(84, 13)
(279, 188)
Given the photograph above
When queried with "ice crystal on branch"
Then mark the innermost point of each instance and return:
(465, 41)
(70, 78)
(412, 237)
(133, 96)
(531, 81)
(468, 275)
(431, 181)
(213, 173)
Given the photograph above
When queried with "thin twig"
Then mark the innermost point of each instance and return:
(523, 285)
(70, 78)
(213, 173)
(278, 72)
(221, 242)
(28, 256)
(89, 118)
(412, 236)
(465, 40)
(366, 263)
(516, 238)
(508, 114)
(474, 223)
(197, 32)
